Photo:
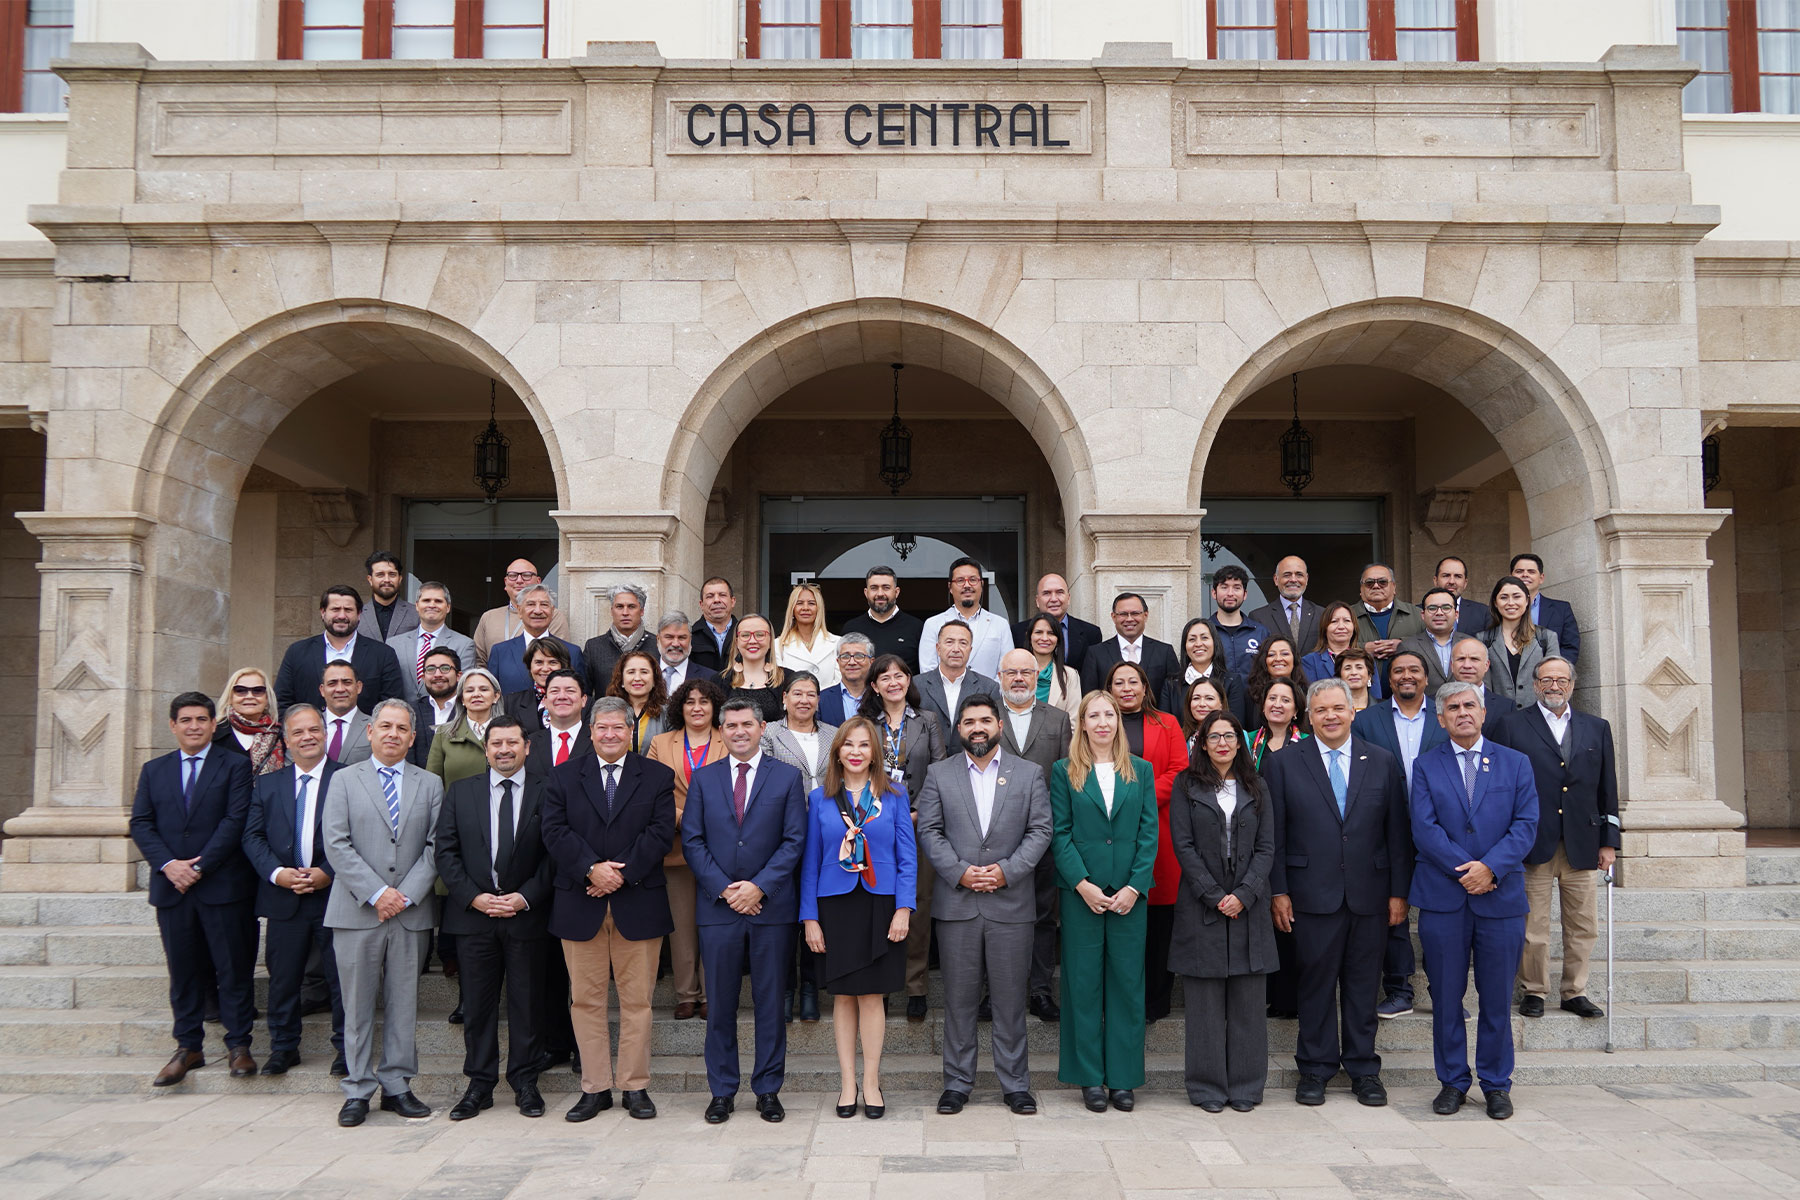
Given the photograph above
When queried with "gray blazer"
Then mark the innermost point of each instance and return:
(1203, 942)
(923, 745)
(1018, 836)
(406, 648)
(405, 617)
(779, 742)
(366, 857)
(1046, 738)
(356, 737)
(1501, 680)
(932, 699)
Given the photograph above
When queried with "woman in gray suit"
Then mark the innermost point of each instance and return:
(1222, 826)
(1515, 643)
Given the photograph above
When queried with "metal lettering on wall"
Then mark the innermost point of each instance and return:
(872, 126)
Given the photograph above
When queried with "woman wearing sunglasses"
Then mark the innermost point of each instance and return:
(247, 722)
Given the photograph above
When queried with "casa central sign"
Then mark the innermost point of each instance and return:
(987, 126)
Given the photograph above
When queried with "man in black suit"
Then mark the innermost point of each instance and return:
(717, 630)
(1343, 863)
(490, 855)
(1077, 634)
(285, 843)
(609, 819)
(891, 631)
(1578, 833)
(1159, 660)
(443, 673)
(566, 735)
(1453, 576)
(188, 820)
(1547, 612)
(942, 688)
(1039, 733)
(1291, 614)
(303, 666)
(1469, 663)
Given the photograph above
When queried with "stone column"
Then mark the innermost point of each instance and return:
(603, 549)
(1658, 695)
(1154, 554)
(90, 631)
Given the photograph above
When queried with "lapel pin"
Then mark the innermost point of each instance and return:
(1000, 782)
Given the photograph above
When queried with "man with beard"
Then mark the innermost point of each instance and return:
(1439, 639)
(891, 631)
(627, 602)
(498, 624)
(989, 634)
(674, 649)
(430, 633)
(443, 672)
(387, 614)
(303, 666)
(1038, 733)
(1239, 637)
(984, 825)
(1077, 635)
(1453, 576)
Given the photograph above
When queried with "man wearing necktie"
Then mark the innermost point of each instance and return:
(188, 820)
(1291, 613)
(1474, 819)
(1343, 858)
(609, 818)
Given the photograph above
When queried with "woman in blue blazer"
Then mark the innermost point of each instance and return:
(858, 880)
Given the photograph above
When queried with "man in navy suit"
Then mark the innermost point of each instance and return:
(843, 699)
(743, 832)
(1160, 662)
(1571, 755)
(1077, 635)
(1547, 612)
(285, 843)
(188, 820)
(303, 666)
(1453, 576)
(1343, 859)
(1474, 818)
(609, 819)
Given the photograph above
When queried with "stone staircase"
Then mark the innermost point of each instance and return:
(1706, 988)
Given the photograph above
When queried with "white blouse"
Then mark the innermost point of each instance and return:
(1227, 796)
(820, 660)
(1108, 777)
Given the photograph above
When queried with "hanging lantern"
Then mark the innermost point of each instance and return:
(896, 444)
(1296, 450)
(1709, 464)
(491, 453)
(904, 544)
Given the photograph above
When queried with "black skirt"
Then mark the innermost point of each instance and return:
(859, 960)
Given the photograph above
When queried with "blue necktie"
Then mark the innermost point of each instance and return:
(300, 847)
(1340, 783)
(187, 789)
(390, 787)
(1468, 757)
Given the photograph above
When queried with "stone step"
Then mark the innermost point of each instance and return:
(1772, 865)
(1698, 981)
(76, 908)
(81, 945)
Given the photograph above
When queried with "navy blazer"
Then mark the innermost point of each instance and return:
(269, 837)
(1081, 635)
(303, 668)
(1498, 828)
(1559, 618)
(1376, 723)
(893, 852)
(765, 849)
(835, 708)
(165, 827)
(1324, 862)
(578, 834)
(1578, 794)
(1471, 616)
(507, 661)
(1160, 662)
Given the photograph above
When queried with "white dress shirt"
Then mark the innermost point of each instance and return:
(347, 654)
(674, 675)
(1107, 776)
(1130, 651)
(303, 836)
(755, 764)
(952, 691)
(1227, 796)
(444, 713)
(1020, 722)
(1559, 726)
(809, 751)
(983, 782)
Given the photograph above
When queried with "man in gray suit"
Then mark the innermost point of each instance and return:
(1038, 733)
(411, 647)
(346, 725)
(387, 614)
(942, 688)
(984, 824)
(380, 820)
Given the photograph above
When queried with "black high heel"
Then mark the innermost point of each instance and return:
(874, 1111)
(849, 1110)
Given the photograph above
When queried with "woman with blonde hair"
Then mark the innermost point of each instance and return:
(1105, 817)
(805, 644)
(248, 725)
(753, 672)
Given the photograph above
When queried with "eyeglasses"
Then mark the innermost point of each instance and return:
(1220, 738)
(244, 689)
(1440, 608)
(441, 670)
(1021, 672)
(1553, 681)
(851, 656)
(521, 574)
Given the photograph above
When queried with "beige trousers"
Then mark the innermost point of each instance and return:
(593, 967)
(1580, 924)
(684, 943)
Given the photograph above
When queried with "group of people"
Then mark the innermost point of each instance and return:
(1255, 811)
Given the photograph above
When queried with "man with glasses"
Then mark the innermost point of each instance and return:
(1436, 645)
(1571, 756)
(443, 674)
(427, 634)
(839, 702)
(499, 624)
(1382, 621)
(990, 635)
(1130, 613)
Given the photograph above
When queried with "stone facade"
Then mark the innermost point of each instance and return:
(231, 239)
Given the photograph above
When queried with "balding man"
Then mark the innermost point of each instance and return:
(1469, 663)
(1039, 733)
(498, 624)
(1291, 613)
(1053, 597)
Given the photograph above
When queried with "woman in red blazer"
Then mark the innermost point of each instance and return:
(1155, 737)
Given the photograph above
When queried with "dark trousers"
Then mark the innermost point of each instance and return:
(1399, 963)
(1339, 958)
(804, 968)
(292, 941)
(1451, 941)
(1159, 985)
(726, 953)
(1227, 1038)
(1044, 936)
(555, 1025)
(486, 961)
(193, 932)
(1282, 989)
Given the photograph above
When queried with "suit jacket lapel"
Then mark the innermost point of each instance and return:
(1315, 766)
(1543, 730)
(1091, 789)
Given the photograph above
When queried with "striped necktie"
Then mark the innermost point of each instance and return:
(390, 788)
(424, 649)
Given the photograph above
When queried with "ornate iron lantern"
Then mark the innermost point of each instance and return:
(904, 544)
(896, 444)
(1296, 450)
(1709, 464)
(491, 453)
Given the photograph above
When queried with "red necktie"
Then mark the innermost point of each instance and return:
(424, 649)
(562, 752)
(740, 791)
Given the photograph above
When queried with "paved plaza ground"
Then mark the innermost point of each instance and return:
(1661, 1141)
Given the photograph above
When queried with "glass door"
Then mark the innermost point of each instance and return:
(466, 544)
(1337, 538)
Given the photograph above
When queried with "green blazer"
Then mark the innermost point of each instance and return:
(1113, 853)
(456, 753)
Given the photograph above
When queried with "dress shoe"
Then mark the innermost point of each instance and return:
(1123, 1099)
(1094, 1098)
(1581, 1006)
(1211, 1106)
(575, 1062)
(280, 1061)
(1023, 1104)
(638, 1104)
(406, 1104)
(700, 1009)
(1448, 1100)
(472, 1102)
(177, 1068)
(354, 1112)
(846, 1111)
(916, 1007)
(530, 1101)
(1394, 1006)
(718, 1110)
(809, 1002)
(1499, 1105)
(552, 1058)
(456, 1014)
(589, 1106)
(1309, 1091)
(769, 1108)
(1242, 1105)
(951, 1102)
(339, 1068)
(985, 1010)
(1044, 1008)
(309, 1007)
(242, 1065)
(1368, 1091)
(684, 1011)
(1283, 1014)
(1531, 1006)
(790, 1006)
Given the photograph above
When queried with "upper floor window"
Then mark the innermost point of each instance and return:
(350, 29)
(32, 32)
(1748, 51)
(882, 28)
(1343, 30)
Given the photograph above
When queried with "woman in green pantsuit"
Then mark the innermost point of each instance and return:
(1103, 802)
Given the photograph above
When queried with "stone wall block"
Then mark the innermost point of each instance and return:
(1097, 300)
(1030, 311)
(412, 273)
(1399, 268)
(1250, 314)
(1547, 315)
(101, 346)
(1509, 277)
(122, 303)
(575, 302)
(1291, 282)
(1346, 272)
(771, 283)
(1452, 272)
(1194, 300)
(467, 281)
(1202, 186)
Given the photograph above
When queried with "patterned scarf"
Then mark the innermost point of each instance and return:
(267, 753)
(853, 852)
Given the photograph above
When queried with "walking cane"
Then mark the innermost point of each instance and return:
(1608, 876)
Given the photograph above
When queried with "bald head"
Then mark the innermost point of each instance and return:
(1018, 679)
(1290, 577)
(1469, 661)
(1053, 595)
